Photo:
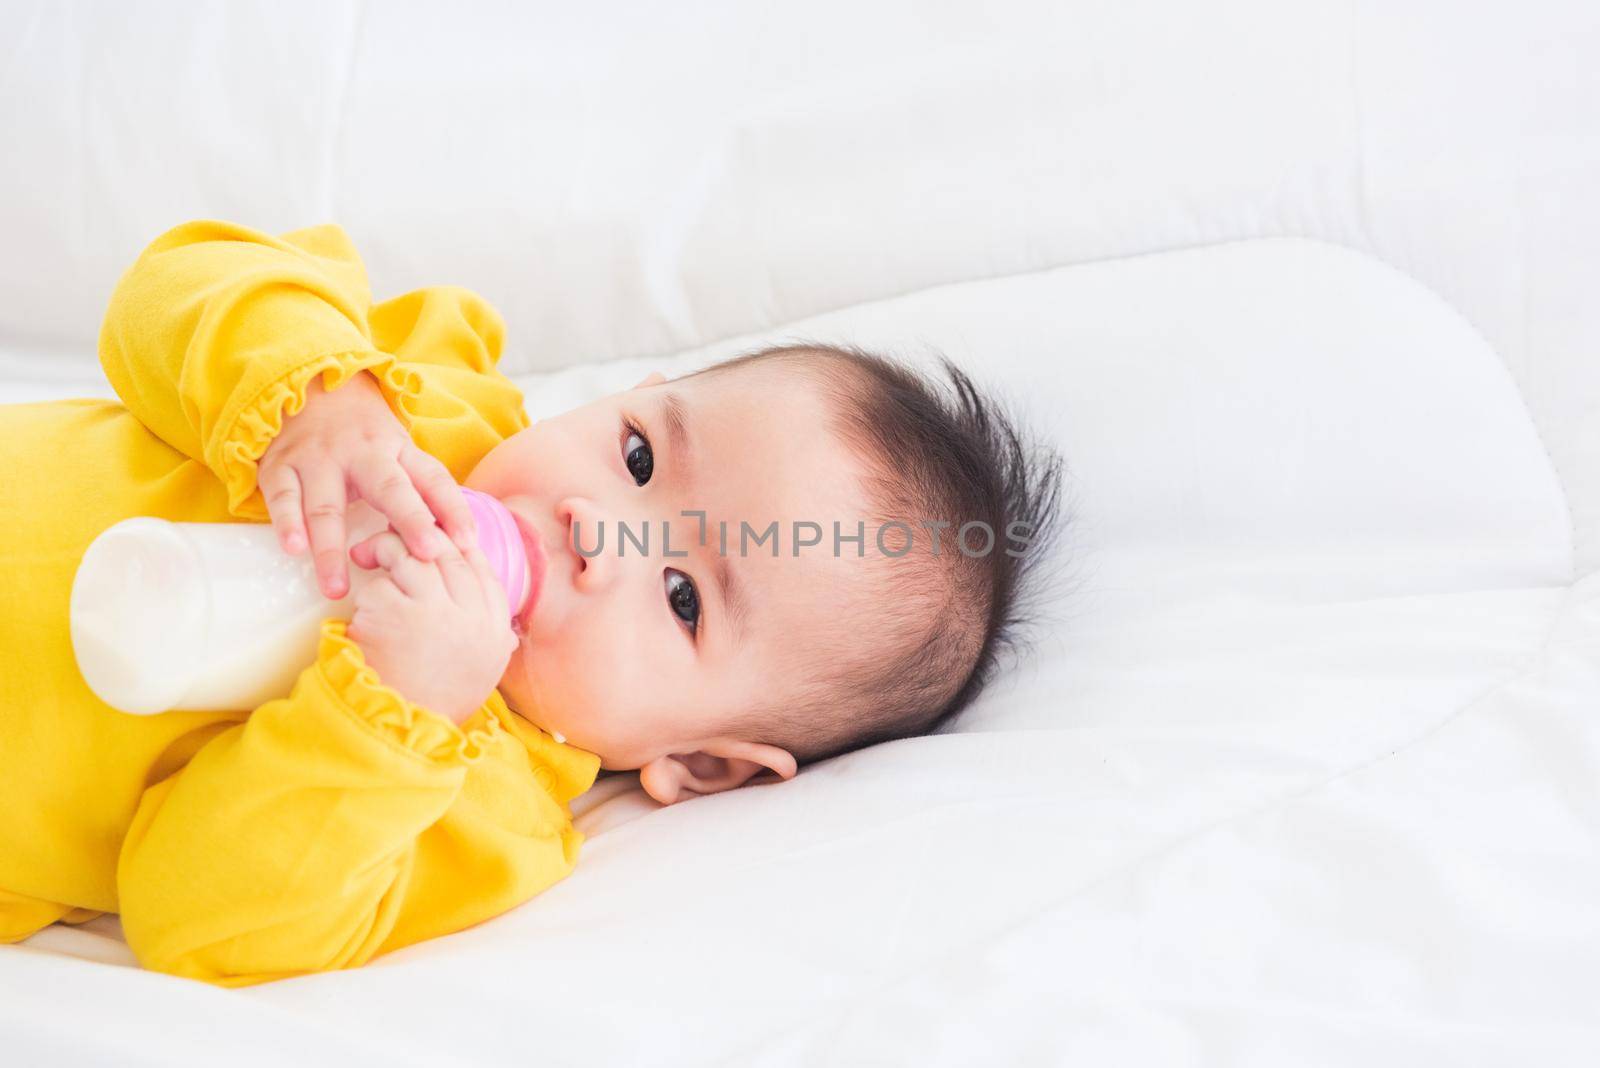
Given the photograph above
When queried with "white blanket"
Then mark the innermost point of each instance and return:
(1305, 768)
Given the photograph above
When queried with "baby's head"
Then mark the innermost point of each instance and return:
(700, 620)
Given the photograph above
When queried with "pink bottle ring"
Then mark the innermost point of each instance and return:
(501, 542)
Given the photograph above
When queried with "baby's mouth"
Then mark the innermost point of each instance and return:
(538, 564)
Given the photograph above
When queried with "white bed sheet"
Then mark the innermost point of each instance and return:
(1305, 766)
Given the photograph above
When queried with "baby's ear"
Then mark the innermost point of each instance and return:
(654, 378)
(719, 766)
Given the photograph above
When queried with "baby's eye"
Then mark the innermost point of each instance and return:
(637, 455)
(683, 599)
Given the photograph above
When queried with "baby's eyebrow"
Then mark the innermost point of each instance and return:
(675, 414)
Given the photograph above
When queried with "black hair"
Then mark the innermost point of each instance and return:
(939, 451)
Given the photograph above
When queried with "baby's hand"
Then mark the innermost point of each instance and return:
(438, 631)
(348, 443)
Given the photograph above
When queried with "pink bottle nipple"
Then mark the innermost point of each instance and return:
(501, 541)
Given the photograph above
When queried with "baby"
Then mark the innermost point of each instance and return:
(777, 559)
(735, 655)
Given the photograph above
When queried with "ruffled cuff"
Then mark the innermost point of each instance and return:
(260, 420)
(411, 726)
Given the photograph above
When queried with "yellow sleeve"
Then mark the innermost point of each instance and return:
(313, 836)
(213, 334)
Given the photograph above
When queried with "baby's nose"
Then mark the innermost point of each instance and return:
(586, 536)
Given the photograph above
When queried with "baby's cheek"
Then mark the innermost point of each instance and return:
(574, 675)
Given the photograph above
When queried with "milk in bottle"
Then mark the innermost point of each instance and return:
(212, 616)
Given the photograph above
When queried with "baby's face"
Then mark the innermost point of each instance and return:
(639, 656)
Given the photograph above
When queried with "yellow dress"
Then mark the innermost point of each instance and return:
(327, 826)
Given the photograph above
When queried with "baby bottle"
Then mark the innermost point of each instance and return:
(216, 616)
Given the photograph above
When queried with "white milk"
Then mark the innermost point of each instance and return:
(202, 616)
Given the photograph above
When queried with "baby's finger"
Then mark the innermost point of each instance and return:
(361, 551)
(387, 486)
(460, 577)
(280, 488)
(414, 577)
(324, 509)
(442, 493)
(493, 594)
(361, 555)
